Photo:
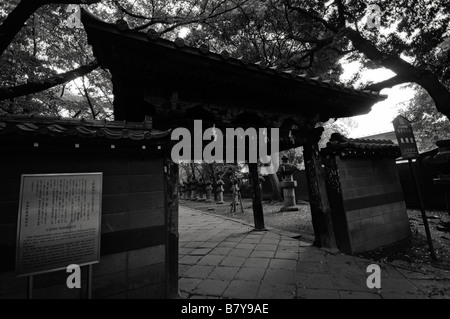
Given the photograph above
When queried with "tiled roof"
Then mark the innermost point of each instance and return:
(204, 51)
(348, 147)
(67, 127)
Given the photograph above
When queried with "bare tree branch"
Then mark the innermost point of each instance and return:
(341, 13)
(341, 52)
(128, 12)
(88, 98)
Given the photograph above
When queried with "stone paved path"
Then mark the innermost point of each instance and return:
(223, 258)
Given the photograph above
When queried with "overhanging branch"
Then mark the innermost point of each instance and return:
(405, 71)
(38, 86)
(395, 80)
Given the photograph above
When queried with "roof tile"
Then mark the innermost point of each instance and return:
(347, 147)
(66, 127)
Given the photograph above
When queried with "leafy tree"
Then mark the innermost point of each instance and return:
(429, 125)
(343, 126)
(39, 52)
(311, 36)
(40, 55)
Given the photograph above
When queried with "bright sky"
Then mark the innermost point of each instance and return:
(380, 118)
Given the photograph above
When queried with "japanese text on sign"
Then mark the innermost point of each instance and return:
(59, 221)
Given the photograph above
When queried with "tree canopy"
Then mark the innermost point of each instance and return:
(40, 55)
(428, 124)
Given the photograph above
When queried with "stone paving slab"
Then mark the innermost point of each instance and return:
(224, 258)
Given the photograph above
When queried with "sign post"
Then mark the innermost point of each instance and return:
(408, 148)
(58, 223)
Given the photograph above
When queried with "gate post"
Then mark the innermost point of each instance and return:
(318, 197)
(258, 213)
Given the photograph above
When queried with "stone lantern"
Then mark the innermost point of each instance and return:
(208, 189)
(220, 190)
(286, 171)
(235, 190)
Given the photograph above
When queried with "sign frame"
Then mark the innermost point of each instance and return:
(413, 153)
(408, 134)
(99, 192)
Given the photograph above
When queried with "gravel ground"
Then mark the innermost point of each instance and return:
(412, 253)
(298, 222)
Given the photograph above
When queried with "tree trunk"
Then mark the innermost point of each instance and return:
(318, 198)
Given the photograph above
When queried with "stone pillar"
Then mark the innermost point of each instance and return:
(208, 190)
(318, 197)
(220, 190)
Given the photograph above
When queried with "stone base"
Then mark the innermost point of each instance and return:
(259, 230)
(290, 209)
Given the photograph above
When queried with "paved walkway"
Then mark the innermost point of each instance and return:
(223, 258)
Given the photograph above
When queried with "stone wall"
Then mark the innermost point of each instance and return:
(372, 197)
(134, 247)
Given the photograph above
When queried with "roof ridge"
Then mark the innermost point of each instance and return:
(261, 66)
(56, 127)
(58, 120)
